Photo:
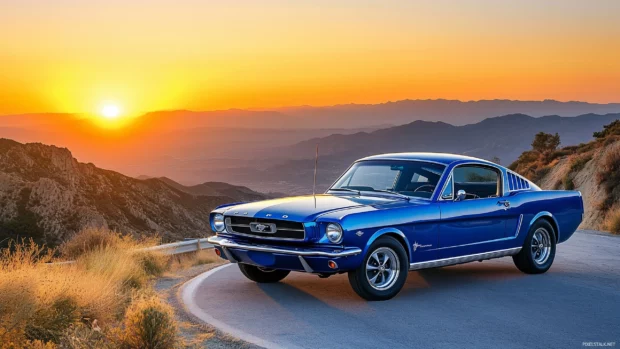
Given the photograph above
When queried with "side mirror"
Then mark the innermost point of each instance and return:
(460, 195)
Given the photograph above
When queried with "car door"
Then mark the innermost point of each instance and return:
(469, 225)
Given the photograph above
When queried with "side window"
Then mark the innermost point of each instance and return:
(447, 192)
(477, 181)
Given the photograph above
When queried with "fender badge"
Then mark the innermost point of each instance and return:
(359, 233)
(416, 245)
(268, 215)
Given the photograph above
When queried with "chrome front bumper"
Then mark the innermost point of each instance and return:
(304, 252)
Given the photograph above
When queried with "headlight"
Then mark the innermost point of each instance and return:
(334, 233)
(218, 222)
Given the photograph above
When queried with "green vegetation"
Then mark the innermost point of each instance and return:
(534, 163)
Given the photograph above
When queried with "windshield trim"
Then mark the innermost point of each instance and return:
(445, 167)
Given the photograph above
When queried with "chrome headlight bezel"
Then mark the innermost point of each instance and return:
(218, 222)
(334, 233)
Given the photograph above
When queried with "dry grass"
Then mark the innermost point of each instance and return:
(612, 221)
(609, 177)
(149, 323)
(193, 259)
(93, 238)
(82, 305)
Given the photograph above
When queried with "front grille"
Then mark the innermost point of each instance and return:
(272, 229)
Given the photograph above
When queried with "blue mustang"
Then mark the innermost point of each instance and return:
(388, 214)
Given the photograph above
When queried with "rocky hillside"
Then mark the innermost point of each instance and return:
(592, 168)
(48, 195)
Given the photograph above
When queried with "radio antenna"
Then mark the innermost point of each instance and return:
(316, 162)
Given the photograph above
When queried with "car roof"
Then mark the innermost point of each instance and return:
(442, 158)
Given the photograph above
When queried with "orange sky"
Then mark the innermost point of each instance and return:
(78, 55)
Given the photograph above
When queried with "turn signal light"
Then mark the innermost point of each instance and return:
(332, 265)
(218, 253)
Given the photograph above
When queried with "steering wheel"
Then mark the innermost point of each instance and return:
(425, 185)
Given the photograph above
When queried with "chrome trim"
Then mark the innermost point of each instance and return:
(226, 243)
(445, 167)
(229, 255)
(519, 225)
(464, 259)
(445, 185)
(480, 164)
(230, 231)
(305, 264)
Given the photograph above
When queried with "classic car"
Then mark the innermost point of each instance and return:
(392, 213)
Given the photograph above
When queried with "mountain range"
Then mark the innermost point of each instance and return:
(273, 150)
(48, 195)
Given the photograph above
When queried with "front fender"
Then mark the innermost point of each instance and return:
(391, 231)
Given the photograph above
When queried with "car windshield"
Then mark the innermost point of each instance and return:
(411, 178)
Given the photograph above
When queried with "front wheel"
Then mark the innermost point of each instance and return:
(383, 272)
(538, 250)
(262, 275)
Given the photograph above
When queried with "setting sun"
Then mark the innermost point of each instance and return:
(110, 111)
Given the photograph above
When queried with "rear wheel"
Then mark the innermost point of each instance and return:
(383, 272)
(538, 250)
(262, 275)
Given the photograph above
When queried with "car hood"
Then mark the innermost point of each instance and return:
(306, 208)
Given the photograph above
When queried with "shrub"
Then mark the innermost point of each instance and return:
(153, 263)
(539, 174)
(579, 162)
(568, 183)
(120, 266)
(612, 221)
(149, 324)
(90, 239)
(49, 323)
(609, 177)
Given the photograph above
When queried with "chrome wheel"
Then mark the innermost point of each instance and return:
(382, 268)
(541, 246)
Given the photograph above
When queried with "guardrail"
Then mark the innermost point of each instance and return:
(181, 247)
(174, 248)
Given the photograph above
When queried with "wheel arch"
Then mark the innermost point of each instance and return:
(393, 232)
(547, 216)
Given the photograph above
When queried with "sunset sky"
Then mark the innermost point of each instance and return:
(82, 56)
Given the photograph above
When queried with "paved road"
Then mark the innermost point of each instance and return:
(482, 305)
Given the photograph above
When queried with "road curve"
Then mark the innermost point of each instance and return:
(482, 305)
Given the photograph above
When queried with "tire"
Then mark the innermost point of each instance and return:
(367, 282)
(532, 259)
(262, 275)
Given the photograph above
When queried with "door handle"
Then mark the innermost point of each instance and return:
(504, 203)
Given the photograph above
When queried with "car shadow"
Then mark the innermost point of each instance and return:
(336, 289)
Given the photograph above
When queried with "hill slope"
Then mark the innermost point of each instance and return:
(48, 195)
(593, 168)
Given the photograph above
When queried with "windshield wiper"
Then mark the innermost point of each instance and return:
(395, 193)
(345, 189)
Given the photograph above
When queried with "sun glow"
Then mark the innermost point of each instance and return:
(110, 111)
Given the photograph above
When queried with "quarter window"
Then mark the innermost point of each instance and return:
(477, 181)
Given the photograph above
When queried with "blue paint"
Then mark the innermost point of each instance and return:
(430, 228)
